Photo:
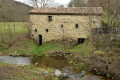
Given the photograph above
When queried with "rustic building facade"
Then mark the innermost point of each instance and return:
(69, 23)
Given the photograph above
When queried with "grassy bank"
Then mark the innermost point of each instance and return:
(91, 56)
(24, 45)
(29, 47)
(24, 72)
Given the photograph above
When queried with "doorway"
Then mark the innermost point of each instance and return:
(40, 40)
(81, 40)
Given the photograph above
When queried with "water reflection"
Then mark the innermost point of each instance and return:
(15, 60)
(51, 62)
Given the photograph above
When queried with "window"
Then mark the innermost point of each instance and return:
(47, 30)
(49, 18)
(76, 25)
(35, 30)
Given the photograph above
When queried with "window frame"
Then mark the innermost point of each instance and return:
(50, 19)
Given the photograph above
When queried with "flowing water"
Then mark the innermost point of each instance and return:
(52, 62)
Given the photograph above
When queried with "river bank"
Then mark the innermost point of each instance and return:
(79, 55)
(43, 68)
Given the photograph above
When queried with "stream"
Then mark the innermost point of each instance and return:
(53, 62)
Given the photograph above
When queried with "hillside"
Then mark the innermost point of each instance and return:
(11, 10)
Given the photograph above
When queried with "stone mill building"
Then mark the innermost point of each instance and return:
(69, 23)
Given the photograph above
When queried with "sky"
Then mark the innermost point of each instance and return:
(56, 1)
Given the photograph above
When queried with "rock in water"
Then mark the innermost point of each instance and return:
(83, 73)
(65, 75)
(58, 73)
(10, 54)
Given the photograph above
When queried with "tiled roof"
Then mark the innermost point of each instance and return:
(76, 10)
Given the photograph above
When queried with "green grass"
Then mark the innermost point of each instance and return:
(46, 47)
(8, 28)
(3, 46)
(30, 47)
(11, 24)
(82, 49)
(20, 27)
(23, 47)
(3, 64)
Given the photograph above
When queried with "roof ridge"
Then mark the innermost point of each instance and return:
(70, 10)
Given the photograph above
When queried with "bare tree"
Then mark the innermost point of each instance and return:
(77, 3)
(40, 3)
(34, 3)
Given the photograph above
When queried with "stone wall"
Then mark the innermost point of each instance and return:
(40, 25)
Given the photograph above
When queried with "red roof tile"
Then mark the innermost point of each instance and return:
(76, 10)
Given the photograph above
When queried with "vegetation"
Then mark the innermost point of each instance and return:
(20, 27)
(18, 72)
(99, 54)
(3, 46)
(26, 46)
(47, 48)
(12, 31)
(15, 11)
(110, 9)
(82, 49)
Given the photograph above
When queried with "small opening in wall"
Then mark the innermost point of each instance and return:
(81, 40)
(49, 18)
(47, 30)
(35, 30)
(93, 21)
(61, 26)
(76, 25)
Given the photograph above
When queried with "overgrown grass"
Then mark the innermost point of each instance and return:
(3, 64)
(11, 24)
(46, 47)
(20, 27)
(30, 47)
(3, 46)
(26, 72)
(82, 49)
(12, 30)
(23, 47)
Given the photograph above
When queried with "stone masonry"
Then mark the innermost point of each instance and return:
(56, 25)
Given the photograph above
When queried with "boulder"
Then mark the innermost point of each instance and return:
(58, 73)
